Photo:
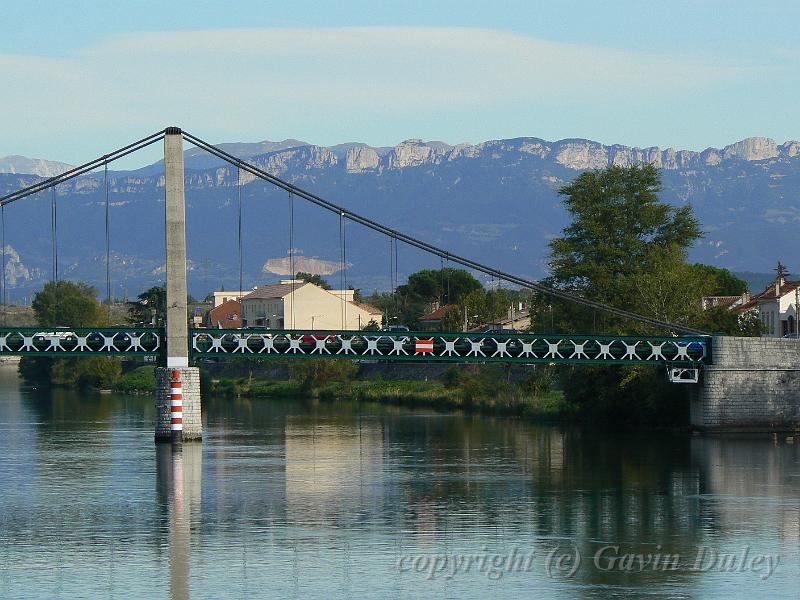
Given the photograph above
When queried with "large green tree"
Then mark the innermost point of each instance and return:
(619, 235)
(150, 307)
(726, 283)
(626, 248)
(72, 304)
(414, 298)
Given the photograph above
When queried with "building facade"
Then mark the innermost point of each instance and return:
(777, 307)
(221, 297)
(295, 304)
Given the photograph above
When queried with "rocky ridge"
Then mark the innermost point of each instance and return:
(32, 166)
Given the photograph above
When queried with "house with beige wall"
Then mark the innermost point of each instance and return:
(222, 297)
(295, 304)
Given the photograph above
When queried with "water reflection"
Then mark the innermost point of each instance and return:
(179, 484)
(324, 500)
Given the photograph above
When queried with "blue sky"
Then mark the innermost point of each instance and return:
(82, 78)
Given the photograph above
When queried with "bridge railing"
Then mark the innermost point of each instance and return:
(363, 345)
(449, 347)
(62, 341)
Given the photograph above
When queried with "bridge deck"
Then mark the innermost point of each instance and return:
(44, 341)
(362, 345)
(449, 347)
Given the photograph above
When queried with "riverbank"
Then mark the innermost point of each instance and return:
(476, 390)
(546, 405)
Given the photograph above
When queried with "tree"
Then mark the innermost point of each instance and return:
(424, 288)
(69, 304)
(625, 248)
(726, 283)
(619, 231)
(150, 307)
(313, 373)
(446, 286)
(315, 279)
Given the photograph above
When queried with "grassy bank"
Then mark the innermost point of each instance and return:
(430, 394)
(141, 380)
(479, 390)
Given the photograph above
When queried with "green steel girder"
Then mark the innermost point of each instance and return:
(690, 351)
(81, 341)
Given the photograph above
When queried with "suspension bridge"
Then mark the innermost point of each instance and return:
(683, 351)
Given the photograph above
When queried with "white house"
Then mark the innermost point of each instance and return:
(295, 304)
(777, 306)
(222, 297)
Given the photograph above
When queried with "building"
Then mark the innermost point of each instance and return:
(220, 297)
(433, 320)
(295, 304)
(227, 315)
(777, 306)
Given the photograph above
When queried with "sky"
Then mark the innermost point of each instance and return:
(83, 78)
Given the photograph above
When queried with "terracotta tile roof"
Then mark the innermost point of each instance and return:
(769, 294)
(787, 287)
(438, 314)
(723, 301)
(227, 315)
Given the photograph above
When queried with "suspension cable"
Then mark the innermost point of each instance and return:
(239, 204)
(341, 269)
(3, 292)
(441, 281)
(344, 265)
(291, 250)
(85, 168)
(54, 233)
(108, 242)
(422, 245)
(344, 260)
(447, 261)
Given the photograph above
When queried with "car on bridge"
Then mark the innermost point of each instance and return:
(62, 334)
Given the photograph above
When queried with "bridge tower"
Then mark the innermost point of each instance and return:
(176, 421)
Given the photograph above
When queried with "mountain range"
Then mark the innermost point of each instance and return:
(496, 202)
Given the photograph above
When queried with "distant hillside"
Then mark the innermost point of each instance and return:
(32, 166)
(496, 201)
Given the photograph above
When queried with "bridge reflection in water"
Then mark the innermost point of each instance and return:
(179, 481)
(301, 499)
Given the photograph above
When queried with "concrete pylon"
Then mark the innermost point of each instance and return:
(177, 290)
(177, 327)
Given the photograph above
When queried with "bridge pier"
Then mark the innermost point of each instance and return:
(752, 384)
(191, 417)
(177, 325)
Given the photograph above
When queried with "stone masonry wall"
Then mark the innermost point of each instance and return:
(192, 416)
(752, 384)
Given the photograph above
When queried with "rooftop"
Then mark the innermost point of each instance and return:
(274, 290)
(438, 314)
(773, 290)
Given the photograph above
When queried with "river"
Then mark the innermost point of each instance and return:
(287, 499)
